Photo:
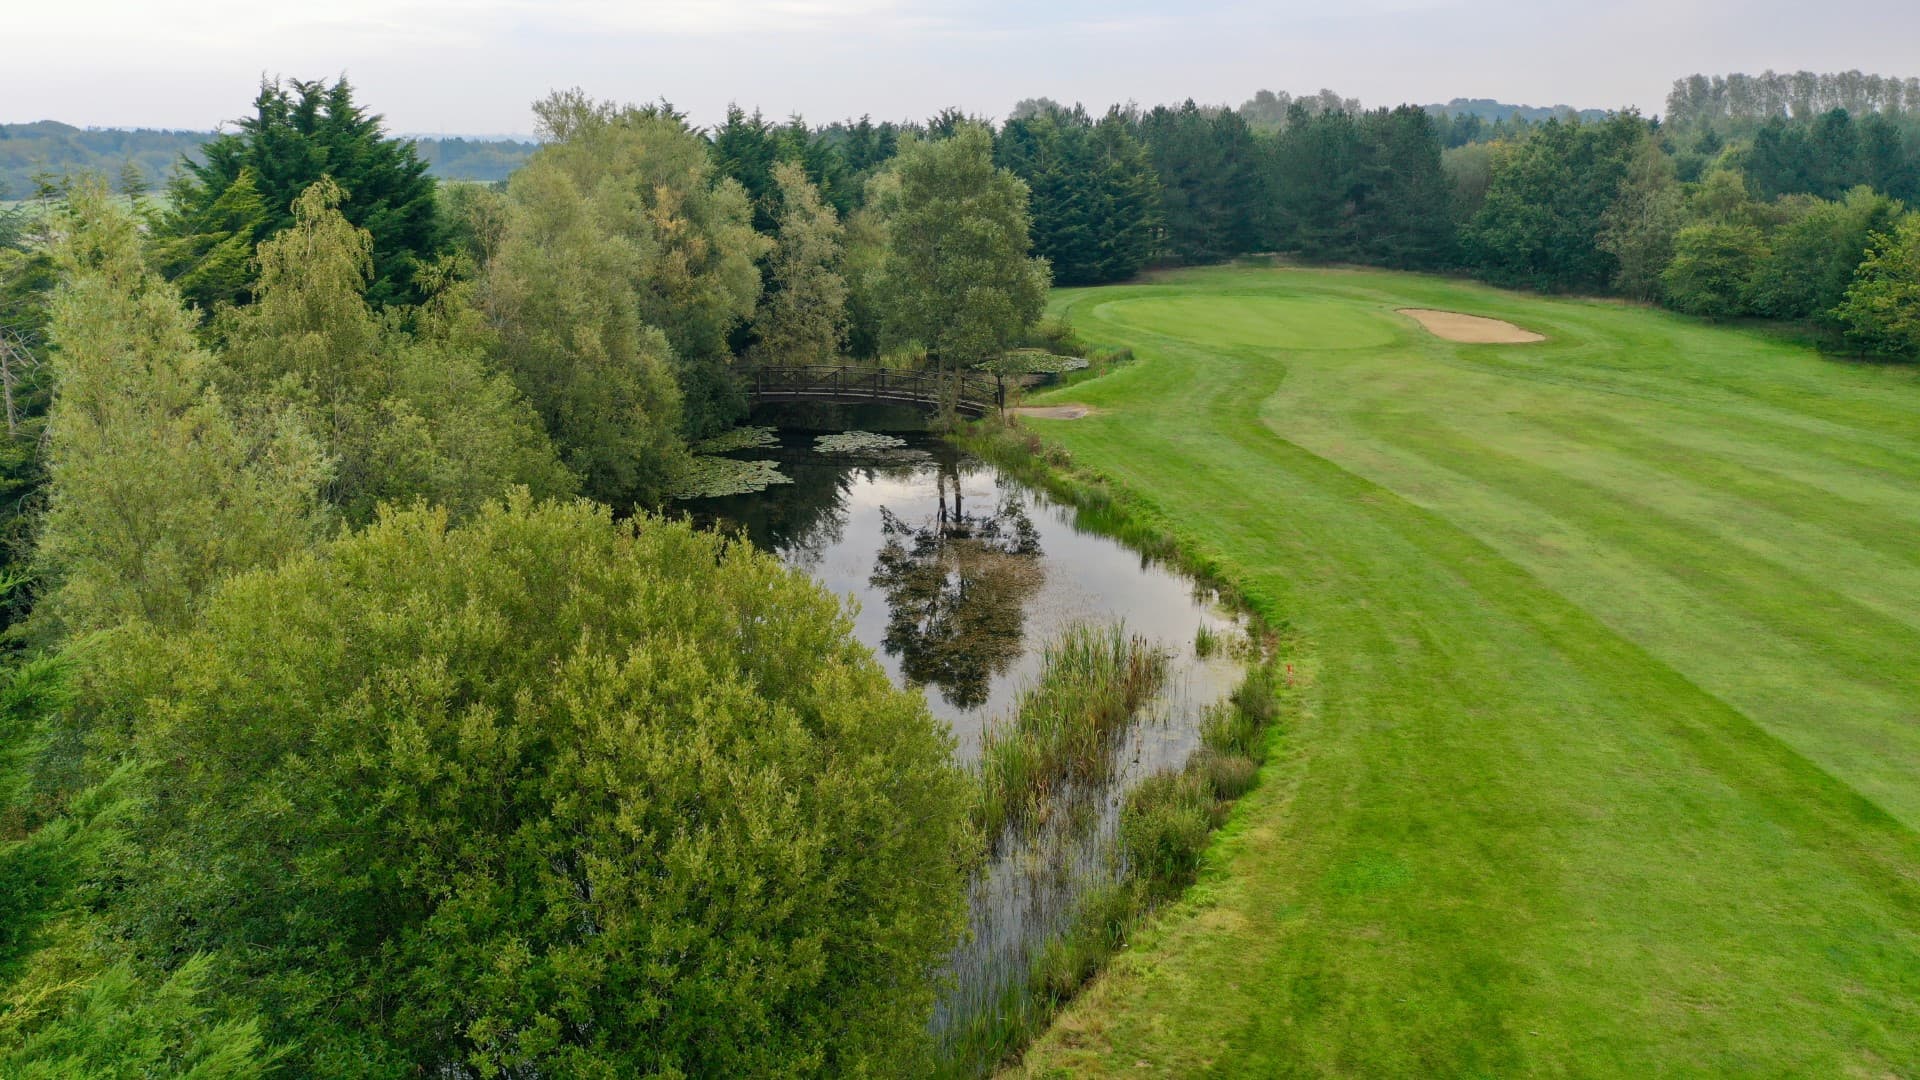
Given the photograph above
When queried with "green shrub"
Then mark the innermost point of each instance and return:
(1227, 730)
(1712, 267)
(1257, 696)
(1881, 311)
(547, 795)
(1098, 930)
(116, 1025)
(1056, 335)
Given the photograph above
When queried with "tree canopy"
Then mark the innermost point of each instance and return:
(581, 798)
(803, 316)
(137, 422)
(957, 279)
(299, 132)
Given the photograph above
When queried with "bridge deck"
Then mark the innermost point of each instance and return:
(972, 394)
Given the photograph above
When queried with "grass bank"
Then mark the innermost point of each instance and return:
(1605, 757)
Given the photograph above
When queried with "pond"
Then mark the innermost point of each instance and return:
(960, 575)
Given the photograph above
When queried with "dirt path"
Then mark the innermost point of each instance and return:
(1470, 329)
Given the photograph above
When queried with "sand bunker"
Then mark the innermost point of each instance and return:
(1471, 329)
(1052, 412)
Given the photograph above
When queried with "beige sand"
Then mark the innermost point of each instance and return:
(1471, 329)
(1052, 412)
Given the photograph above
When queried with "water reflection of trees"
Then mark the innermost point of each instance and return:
(956, 587)
(800, 519)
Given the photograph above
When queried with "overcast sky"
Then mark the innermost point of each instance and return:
(471, 66)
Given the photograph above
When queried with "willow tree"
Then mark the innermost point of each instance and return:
(957, 279)
(692, 257)
(403, 415)
(157, 489)
(803, 317)
(562, 291)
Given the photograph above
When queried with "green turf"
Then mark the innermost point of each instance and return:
(1608, 761)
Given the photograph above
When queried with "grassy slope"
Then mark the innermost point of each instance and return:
(1611, 760)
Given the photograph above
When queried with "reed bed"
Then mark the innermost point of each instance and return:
(1093, 680)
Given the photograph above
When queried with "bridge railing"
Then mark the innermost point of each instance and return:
(886, 384)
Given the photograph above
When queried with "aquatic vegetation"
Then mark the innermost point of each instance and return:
(1093, 680)
(1229, 775)
(740, 438)
(709, 476)
(1164, 828)
(1234, 727)
(985, 1038)
(857, 442)
(1205, 641)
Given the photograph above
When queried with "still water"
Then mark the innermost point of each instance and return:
(960, 575)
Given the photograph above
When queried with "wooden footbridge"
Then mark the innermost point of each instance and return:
(973, 395)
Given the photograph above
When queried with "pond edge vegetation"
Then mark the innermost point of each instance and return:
(1170, 820)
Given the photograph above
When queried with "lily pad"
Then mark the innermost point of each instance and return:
(740, 438)
(709, 477)
(857, 442)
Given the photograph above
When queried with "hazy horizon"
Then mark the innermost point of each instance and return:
(436, 66)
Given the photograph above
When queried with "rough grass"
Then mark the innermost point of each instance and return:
(1605, 761)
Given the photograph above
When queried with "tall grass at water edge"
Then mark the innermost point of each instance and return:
(1093, 680)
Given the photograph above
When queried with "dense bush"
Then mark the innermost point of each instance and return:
(1812, 256)
(1882, 309)
(1711, 268)
(545, 795)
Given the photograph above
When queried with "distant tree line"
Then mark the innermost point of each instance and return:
(36, 155)
(1700, 100)
(1803, 217)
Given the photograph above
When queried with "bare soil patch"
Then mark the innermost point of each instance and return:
(1470, 329)
(1052, 412)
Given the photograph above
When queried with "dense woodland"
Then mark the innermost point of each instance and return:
(306, 396)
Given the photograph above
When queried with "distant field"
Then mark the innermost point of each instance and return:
(1609, 762)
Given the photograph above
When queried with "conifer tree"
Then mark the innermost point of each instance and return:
(206, 247)
(299, 132)
(1123, 213)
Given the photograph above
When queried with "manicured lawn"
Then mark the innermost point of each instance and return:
(1607, 757)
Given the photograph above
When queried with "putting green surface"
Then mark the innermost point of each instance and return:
(1607, 759)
